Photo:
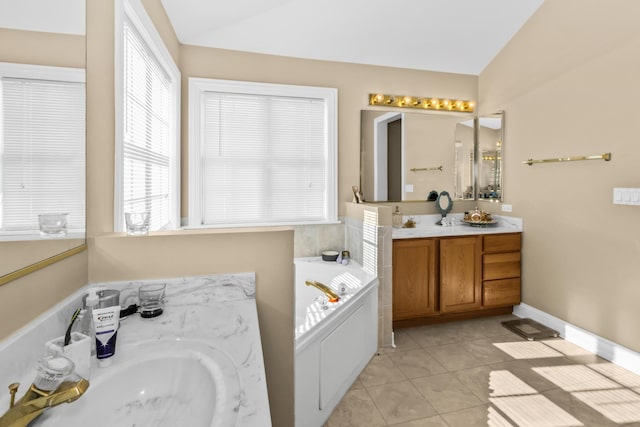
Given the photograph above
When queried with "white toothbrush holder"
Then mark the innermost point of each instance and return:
(78, 351)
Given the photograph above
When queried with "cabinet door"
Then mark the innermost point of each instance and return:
(414, 278)
(460, 266)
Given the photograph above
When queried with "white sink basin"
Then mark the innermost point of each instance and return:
(160, 383)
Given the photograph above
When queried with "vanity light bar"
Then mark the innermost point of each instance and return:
(405, 101)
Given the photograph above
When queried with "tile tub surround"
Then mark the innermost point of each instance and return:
(378, 247)
(426, 227)
(311, 240)
(217, 309)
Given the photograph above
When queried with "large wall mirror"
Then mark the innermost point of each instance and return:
(464, 160)
(490, 147)
(42, 131)
(406, 155)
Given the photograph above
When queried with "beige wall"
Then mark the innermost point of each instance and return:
(33, 47)
(568, 83)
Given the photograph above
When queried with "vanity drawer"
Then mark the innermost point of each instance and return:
(502, 242)
(501, 266)
(501, 292)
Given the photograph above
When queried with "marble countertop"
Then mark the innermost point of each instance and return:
(219, 310)
(426, 227)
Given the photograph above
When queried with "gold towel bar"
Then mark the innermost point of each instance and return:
(436, 168)
(606, 157)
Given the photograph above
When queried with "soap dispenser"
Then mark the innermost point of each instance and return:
(92, 301)
(397, 217)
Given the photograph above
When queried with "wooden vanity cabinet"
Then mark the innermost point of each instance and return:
(414, 278)
(447, 278)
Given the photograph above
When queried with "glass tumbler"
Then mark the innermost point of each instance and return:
(151, 298)
(137, 223)
(53, 224)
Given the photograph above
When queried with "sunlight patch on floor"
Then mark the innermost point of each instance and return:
(527, 350)
(504, 383)
(617, 373)
(494, 419)
(620, 406)
(567, 348)
(575, 378)
(534, 411)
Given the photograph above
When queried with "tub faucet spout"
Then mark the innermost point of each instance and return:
(333, 297)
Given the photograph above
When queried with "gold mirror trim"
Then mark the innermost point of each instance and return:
(41, 264)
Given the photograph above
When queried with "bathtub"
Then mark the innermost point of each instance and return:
(333, 345)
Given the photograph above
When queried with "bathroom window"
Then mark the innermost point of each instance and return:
(42, 146)
(261, 154)
(147, 122)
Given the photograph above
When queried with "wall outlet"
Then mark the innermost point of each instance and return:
(507, 208)
(626, 196)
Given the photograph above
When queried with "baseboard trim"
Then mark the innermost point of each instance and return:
(604, 348)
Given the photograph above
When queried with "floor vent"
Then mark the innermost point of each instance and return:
(530, 329)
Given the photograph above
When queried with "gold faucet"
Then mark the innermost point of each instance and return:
(35, 401)
(333, 297)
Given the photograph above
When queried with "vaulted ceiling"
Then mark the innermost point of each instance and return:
(457, 36)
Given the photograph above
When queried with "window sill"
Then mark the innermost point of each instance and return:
(196, 232)
(261, 226)
(12, 236)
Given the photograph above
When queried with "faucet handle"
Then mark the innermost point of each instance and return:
(13, 389)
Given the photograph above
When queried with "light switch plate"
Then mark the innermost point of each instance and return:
(506, 208)
(626, 196)
(408, 188)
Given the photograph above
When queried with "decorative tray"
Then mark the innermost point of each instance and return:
(479, 223)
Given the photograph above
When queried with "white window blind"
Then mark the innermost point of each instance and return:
(42, 152)
(265, 159)
(147, 132)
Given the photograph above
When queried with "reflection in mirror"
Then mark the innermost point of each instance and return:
(393, 143)
(464, 160)
(42, 129)
(490, 146)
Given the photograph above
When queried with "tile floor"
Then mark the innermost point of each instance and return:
(477, 373)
